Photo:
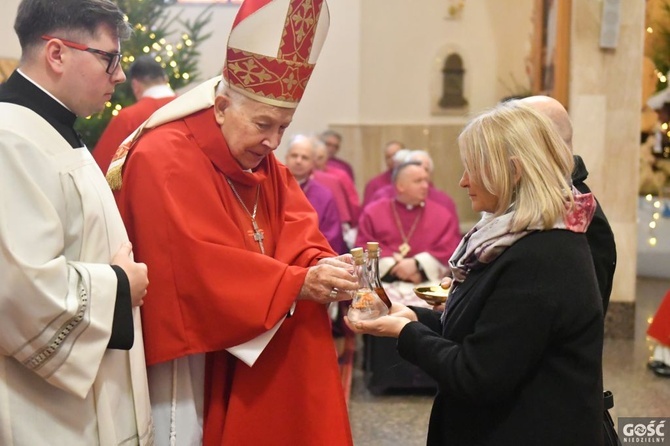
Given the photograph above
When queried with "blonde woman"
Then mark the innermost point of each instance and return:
(517, 352)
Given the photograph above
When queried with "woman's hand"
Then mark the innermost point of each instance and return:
(445, 284)
(400, 310)
(388, 326)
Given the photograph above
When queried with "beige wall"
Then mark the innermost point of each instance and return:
(403, 53)
(605, 100)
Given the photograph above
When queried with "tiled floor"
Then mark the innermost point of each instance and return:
(401, 420)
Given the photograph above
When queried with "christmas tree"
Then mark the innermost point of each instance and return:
(656, 39)
(154, 32)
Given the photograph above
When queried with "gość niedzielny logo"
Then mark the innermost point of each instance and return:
(642, 430)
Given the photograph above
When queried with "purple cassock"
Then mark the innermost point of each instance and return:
(376, 183)
(323, 201)
(340, 164)
(431, 228)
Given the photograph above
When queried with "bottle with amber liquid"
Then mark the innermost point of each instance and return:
(366, 305)
(372, 267)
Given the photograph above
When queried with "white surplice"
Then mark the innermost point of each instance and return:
(59, 228)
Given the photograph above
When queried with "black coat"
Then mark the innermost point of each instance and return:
(600, 237)
(518, 361)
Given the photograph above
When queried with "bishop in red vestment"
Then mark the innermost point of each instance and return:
(235, 257)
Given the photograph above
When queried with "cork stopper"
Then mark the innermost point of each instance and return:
(373, 249)
(358, 254)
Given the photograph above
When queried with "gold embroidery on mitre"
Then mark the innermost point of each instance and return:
(299, 29)
(267, 77)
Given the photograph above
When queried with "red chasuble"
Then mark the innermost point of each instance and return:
(211, 288)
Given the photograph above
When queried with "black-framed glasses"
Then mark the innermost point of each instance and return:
(114, 59)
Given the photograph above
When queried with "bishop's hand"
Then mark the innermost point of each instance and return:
(328, 281)
(344, 261)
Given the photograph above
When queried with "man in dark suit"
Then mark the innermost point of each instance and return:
(599, 233)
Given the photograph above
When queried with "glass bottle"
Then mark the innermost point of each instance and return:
(372, 267)
(366, 305)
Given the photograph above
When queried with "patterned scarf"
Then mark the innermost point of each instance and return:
(491, 236)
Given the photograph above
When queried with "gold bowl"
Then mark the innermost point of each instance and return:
(434, 295)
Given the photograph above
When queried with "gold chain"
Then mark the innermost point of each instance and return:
(405, 238)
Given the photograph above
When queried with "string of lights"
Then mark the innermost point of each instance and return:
(154, 26)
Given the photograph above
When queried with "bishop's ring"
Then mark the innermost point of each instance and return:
(333, 294)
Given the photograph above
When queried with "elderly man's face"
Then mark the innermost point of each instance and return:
(300, 159)
(412, 185)
(252, 130)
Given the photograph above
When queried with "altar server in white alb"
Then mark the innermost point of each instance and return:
(71, 354)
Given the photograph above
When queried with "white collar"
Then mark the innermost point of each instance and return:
(158, 91)
(409, 207)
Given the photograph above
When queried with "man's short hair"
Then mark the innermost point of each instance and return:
(402, 166)
(328, 133)
(36, 18)
(146, 69)
(420, 155)
(299, 138)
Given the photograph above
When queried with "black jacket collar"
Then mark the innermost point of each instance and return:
(579, 173)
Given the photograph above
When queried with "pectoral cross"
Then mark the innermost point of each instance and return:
(258, 235)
